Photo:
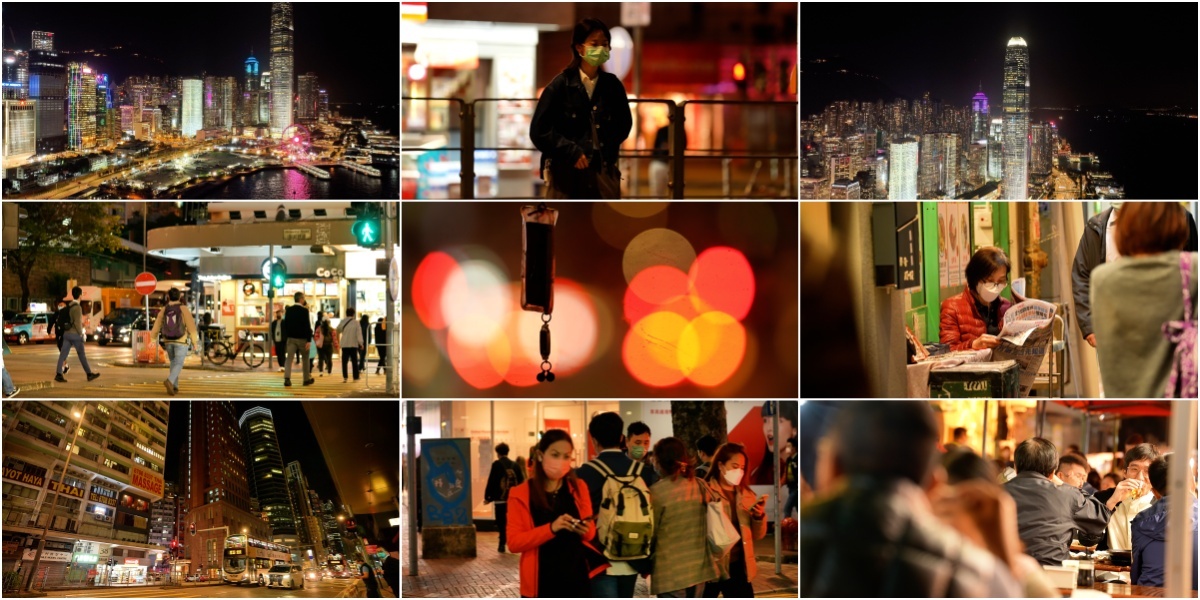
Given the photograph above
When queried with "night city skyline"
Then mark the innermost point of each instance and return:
(332, 40)
(952, 53)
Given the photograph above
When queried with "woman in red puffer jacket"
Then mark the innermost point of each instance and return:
(972, 320)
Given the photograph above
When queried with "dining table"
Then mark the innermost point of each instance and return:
(1125, 590)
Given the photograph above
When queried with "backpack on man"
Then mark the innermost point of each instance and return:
(172, 317)
(508, 480)
(62, 320)
(625, 518)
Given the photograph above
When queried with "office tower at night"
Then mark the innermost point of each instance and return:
(307, 523)
(282, 67)
(81, 106)
(267, 479)
(163, 514)
(979, 117)
(264, 100)
(193, 107)
(219, 94)
(902, 175)
(20, 128)
(995, 159)
(16, 75)
(306, 98)
(1041, 148)
(948, 169)
(48, 88)
(215, 494)
(323, 105)
(1016, 120)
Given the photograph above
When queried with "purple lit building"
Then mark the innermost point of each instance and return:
(979, 116)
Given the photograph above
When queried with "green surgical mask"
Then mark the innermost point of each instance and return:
(595, 55)
(637, 452)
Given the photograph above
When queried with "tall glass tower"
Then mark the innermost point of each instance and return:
(267, 480)
(283, 70)
(1016, 120)
(902, 179)
(193, 106)
(979, 116)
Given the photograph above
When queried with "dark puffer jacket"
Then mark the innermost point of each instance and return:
(961, 322)
(562, 128)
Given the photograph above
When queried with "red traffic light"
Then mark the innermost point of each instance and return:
(739, 72)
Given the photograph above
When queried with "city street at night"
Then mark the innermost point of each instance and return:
(200, 499)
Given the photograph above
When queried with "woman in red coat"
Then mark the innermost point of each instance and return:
(549, 523)
(973, 319)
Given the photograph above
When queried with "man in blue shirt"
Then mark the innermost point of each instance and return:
(1149, 530)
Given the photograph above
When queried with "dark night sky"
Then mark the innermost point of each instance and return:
(354, 48)
(296, 441)
(1091, 54)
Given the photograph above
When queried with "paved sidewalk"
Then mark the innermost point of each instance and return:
(495, 575)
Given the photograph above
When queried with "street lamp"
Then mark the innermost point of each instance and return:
(37, 558)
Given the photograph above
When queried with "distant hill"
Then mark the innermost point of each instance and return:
(823, 81)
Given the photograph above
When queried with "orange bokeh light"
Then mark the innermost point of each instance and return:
(721, 279)
(480, 366)
(431, 276)
(711, 348)
(657, 288)
(651, 349)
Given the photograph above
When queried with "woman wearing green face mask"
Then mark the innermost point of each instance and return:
(581, 120)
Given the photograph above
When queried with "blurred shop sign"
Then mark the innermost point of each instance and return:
(897, 243)
(417, 12)
(635, 14)
(459, 54)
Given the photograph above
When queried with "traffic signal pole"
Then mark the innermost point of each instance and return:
(390, 240)
(271, 316)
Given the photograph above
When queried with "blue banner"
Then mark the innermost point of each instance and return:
(446, 482)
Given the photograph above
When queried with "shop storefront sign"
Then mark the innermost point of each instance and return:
(297, 235)
(94, 497)
(67, 489)
(34, 479)
(86, 558)
(47, 555)
(146, 480)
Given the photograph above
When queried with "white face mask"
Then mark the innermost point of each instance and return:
(989, 291)
(733, 476)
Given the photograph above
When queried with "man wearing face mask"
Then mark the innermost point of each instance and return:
(582, 117)
(638, 439)
(973, 319)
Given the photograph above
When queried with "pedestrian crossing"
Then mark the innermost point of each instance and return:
(224, 385)
(134, 592)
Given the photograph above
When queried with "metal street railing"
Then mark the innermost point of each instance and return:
(676, 154)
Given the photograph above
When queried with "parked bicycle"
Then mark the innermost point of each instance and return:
(253, 350)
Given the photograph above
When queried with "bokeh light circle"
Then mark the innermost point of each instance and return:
(478, 365)
(721, 280)
(711, 348)
(658, 288)
(654, 247)
(475, 302)
(573, 334)
(427, 284)
(651, 349)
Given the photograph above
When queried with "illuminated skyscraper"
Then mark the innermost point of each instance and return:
(48, 86)
(20, 128)
(81, 106)
(1016, 120)
(267, 480)
(323, 105)
(43, 40)
(902, 178)
(16, 74)
(995, 145)
(282, 67)
(306, 98)
(1041, 148)
(979, 116)
(193, 107)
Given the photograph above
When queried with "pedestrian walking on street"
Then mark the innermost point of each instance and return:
(177, 327)
(10, 389)
(748, 515)
(314, 348)
(325, 347)
(364, 325)
(298, 329)
(73, 338)
(59, 331)
(381, 344)
(504, 476)
(680, 521)
(351, 338)
(280, 339)
(552, 525)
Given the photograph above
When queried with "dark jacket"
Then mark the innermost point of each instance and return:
(620, 464)
(296, 324)
(1149, 532)
(1093, 248)
(879, 539)
(562, 128)
(1048, 515)
(493, 492)
(1099, 540)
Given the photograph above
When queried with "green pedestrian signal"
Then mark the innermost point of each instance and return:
(367, 225)
(278, 275)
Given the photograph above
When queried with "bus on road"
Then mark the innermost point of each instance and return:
(247, 560)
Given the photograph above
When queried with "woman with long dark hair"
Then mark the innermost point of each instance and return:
(679, 517)
(581, 120)
(550, 524)
(728, 479)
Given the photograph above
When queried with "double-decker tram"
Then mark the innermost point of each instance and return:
(247, 560)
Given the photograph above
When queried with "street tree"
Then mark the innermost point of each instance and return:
(692, 420)
(60, 228)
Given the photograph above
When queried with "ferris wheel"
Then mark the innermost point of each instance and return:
(296, 140)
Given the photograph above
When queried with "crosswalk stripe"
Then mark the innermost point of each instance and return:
(222, 385)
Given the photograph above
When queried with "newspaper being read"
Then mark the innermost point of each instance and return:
(1025, 338)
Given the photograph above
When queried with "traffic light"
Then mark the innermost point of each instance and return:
(367, 228)
(278, 275)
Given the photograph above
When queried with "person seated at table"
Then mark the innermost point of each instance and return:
(872, 515)
(1150, 530)
(1048, 514)
(1109, 481)
(1125, 500)
(972, 320)
(1072, 470)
